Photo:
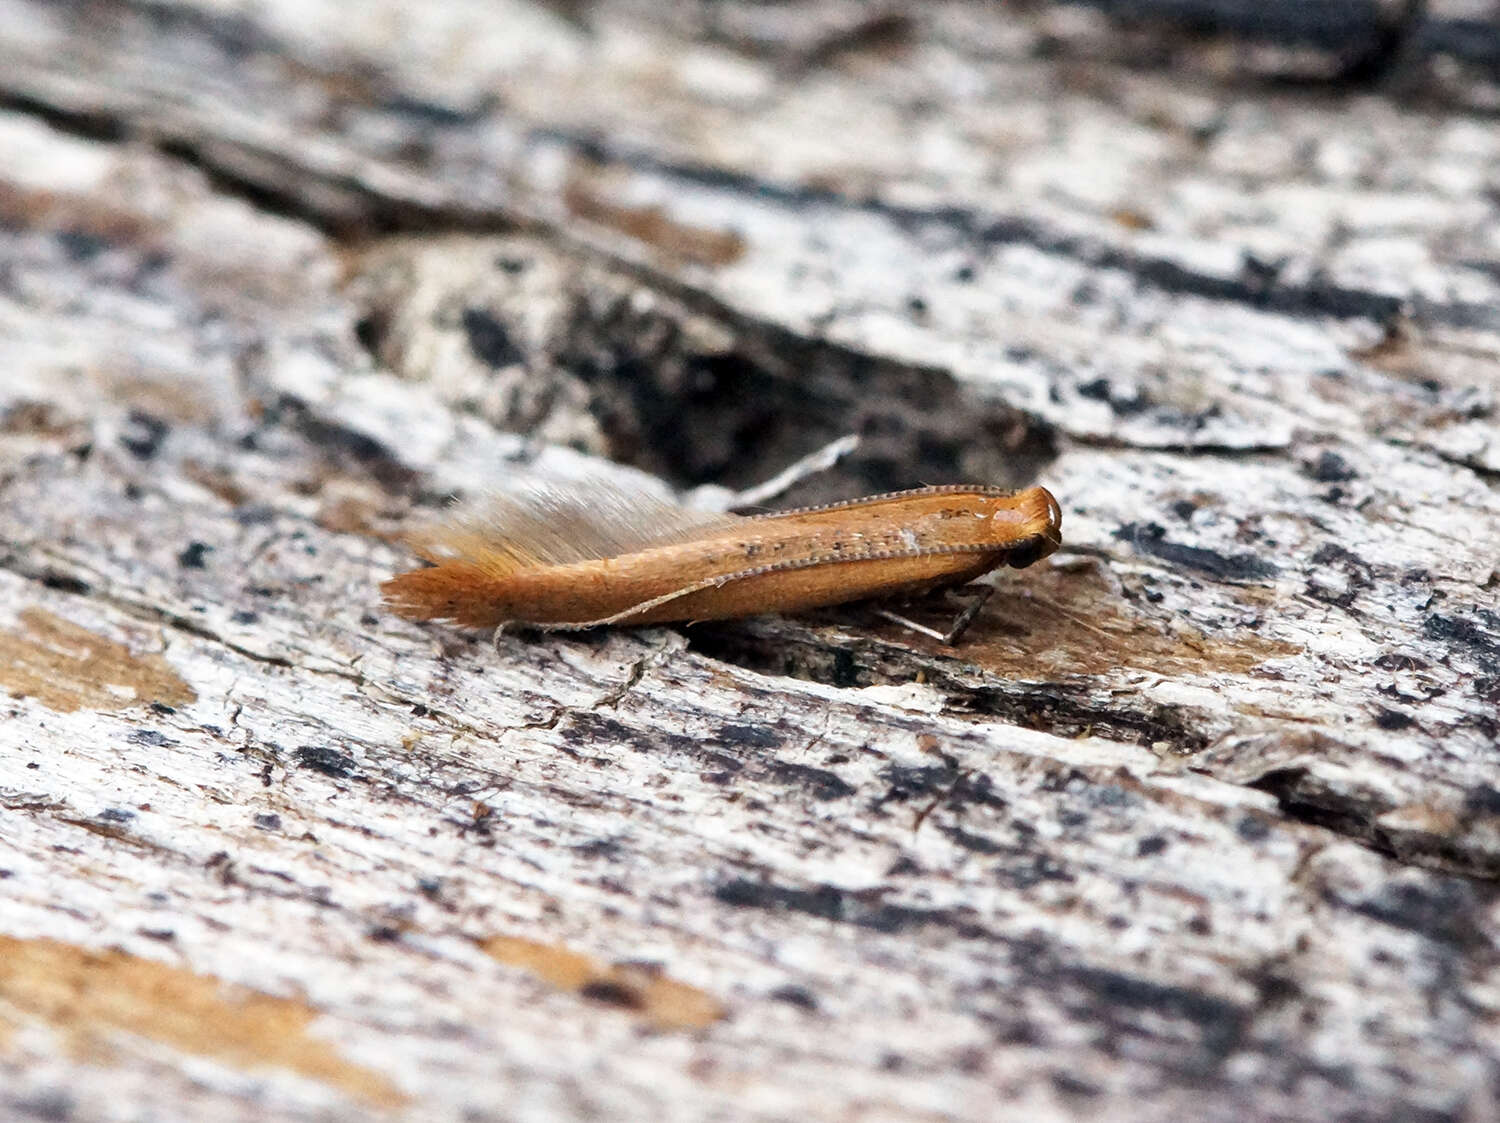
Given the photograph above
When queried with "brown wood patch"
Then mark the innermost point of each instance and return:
(87, 994)
(654, 227)
(1059, 623)
(664, 1002)
(66, 667)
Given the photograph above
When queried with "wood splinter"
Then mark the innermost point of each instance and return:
(562, 556)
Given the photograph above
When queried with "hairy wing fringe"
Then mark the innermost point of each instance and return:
(545, 522)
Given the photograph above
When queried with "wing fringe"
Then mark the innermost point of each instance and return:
(543, 522)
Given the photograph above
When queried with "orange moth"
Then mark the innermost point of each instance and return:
(584, 554)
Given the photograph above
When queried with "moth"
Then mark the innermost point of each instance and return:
(572, 555)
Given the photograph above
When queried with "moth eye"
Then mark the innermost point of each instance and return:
(1028, 552)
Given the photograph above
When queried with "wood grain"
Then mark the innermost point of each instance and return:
(1203, 820)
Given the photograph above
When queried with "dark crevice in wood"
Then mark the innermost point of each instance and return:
(88, 124)
(984, 231)
(349, 209)
(1487, 474)
(1067, 710)
(1472, 41)
(1362, 39)
(738, 418)
(342, 207)
(862, 908)
(1301, 797)
(697, 412)
(1329, 26)
(1351, 45)
(339, 443)
(1070, 712)
(1304, 797)
(732, 755)
(1064, 709)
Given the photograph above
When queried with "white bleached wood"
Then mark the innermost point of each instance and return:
(1203, 818)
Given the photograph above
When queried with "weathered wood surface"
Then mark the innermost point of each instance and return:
(1205, 818)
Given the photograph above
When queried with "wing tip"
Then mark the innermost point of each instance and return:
(460, 592)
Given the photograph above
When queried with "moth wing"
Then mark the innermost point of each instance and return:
(544, 521)
(718, 581)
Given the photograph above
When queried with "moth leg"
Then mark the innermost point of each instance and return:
(498, 632)
(912, 625)
(977, 596)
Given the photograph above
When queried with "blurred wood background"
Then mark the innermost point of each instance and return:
(1202, 821)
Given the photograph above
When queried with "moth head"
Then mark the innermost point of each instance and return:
(1030, 551)
(1045, 517)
